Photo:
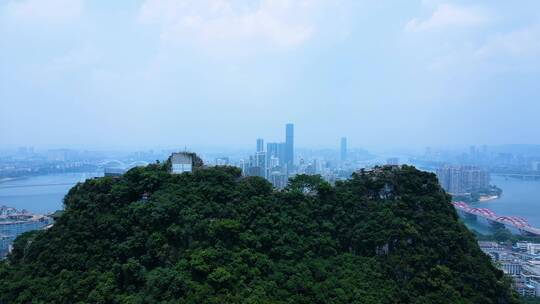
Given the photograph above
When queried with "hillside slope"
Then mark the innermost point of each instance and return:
(387, 236)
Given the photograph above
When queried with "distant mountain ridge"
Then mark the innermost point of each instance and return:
(387, 235)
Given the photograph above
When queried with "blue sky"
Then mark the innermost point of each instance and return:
(218, 73)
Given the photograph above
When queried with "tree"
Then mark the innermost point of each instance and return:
(210, 236)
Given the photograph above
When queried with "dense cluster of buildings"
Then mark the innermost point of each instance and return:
(276, 163)
(459, 180)
(521, 161)
(14, 222)
(521, 263)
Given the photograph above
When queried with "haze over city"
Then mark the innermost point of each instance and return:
(131, 74)
(270, 151)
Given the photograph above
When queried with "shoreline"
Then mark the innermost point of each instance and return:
(484, 199)
(9, 179)
(84, 174)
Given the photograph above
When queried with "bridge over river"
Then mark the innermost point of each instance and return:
(515, 222)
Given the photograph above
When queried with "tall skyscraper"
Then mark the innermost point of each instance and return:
(260, 145)
(343, 149)
(289, 145)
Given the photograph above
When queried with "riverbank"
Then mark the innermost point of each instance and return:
(487, 198)
(40, 194)
(9, 179)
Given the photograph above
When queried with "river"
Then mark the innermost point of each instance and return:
(519, 198)
(43, 194)
(40, 194)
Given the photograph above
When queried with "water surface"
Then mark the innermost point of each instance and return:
(40, 194)
(520, 198)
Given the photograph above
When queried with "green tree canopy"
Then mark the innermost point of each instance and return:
(385, 236)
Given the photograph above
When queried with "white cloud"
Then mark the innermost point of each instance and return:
(218, 24)
(44, 10)
(447, 16)
(76, 58)
(473, 41)
(520, 42)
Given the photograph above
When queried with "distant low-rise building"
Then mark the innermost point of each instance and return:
(522, 286)
(511, 267)
(532, 267)
(536, 285)
(530, 248)
(522, 269)
(17, 223)
(493, 249)
(525, 290)
(5, 210)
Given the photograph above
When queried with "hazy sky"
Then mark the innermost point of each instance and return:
(125, 74)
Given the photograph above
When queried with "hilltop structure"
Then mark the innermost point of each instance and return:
(181, 162)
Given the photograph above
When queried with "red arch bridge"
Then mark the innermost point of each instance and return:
(510, 221)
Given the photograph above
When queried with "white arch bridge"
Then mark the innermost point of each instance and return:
(120, 164)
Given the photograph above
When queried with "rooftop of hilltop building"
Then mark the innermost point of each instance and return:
(184, 162)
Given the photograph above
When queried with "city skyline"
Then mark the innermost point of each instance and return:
(270, 151)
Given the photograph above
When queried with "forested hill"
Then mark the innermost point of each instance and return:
(384, 236)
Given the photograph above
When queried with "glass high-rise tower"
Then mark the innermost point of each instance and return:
(289, 145)
(260, 145)
(343, 149)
